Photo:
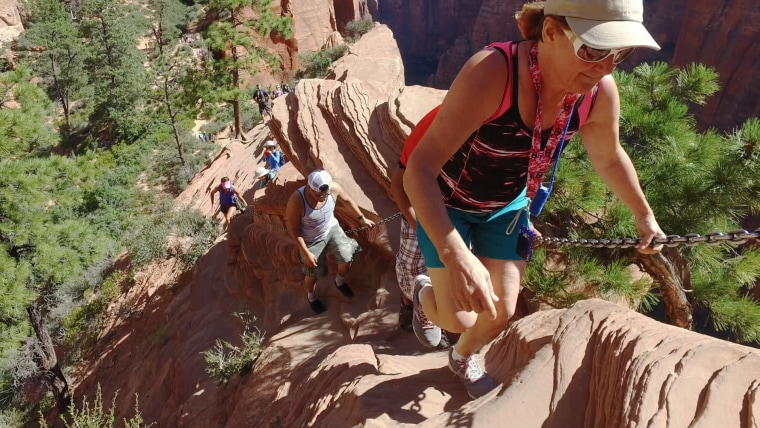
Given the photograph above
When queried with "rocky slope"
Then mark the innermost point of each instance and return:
(595, 364)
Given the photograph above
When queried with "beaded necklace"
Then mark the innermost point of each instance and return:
(540, 159)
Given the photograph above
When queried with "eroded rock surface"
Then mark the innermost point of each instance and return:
(596, 364)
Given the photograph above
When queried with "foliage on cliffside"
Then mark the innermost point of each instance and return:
(695, 182)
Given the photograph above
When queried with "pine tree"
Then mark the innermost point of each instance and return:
(170, 66)
(57, 53)
(695, 182)
(234, 40)
(24, 108)
(112, 29)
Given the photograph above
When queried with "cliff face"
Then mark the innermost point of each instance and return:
(724, 35)
(595, 364)
(427, 29)
(10, 22)
(316, 24)
(721, 34)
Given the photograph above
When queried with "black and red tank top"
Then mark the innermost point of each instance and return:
(490, 169)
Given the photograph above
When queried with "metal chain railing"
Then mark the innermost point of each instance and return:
(737, 237)
(385, 220)
(348, 232)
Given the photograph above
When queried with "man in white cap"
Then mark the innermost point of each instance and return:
(312, 225)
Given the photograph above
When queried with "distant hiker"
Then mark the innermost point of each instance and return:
(229, 199)
(265, 175)
(274, 158)
(474, 173)
(277, 91)
(261, 96)
(285, 88)
(312, 225)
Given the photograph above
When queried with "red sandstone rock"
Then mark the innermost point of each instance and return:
(595, 364)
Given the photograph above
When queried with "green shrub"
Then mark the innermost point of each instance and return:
(149, 241)
(225, 359)
(82, 324)
(203, 231)
(317, 64)
(219, 123)
(95, 416)
(357, 28)
(12, 418)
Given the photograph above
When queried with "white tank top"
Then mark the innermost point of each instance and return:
(316, 223)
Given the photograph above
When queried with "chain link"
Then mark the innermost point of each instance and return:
(738, 236)
(385, 220)
(348, 232)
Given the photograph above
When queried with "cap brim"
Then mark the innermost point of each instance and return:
(612, 34)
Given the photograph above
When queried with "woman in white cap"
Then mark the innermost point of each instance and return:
(312, 225)
(273, 158)
(475, 170)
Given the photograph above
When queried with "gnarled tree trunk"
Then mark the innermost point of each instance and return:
(47, 360)
(670, 269)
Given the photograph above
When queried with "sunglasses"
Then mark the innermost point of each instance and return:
(589, 54)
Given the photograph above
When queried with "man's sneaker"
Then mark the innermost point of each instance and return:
(405, 314)
(345, 290)
(474, 379)
(317, 306)
(428, 334)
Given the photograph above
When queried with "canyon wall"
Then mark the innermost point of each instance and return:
(436, 38)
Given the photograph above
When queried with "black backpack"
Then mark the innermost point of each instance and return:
(260, 95)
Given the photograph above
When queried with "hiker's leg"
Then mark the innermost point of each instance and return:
(341, 248)
(309, 284)
(505, 278)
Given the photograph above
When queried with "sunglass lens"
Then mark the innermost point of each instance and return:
(590, 54)
(620, 56)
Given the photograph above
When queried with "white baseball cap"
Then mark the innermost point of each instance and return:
(319, 180)
(270, 143)
(260, 172)
(605, 24)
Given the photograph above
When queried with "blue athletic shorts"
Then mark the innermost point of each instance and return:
(485, 233)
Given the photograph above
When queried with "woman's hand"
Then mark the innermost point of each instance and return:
(649, 230)
(471, 288)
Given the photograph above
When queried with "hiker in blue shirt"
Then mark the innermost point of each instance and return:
(274, 159)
